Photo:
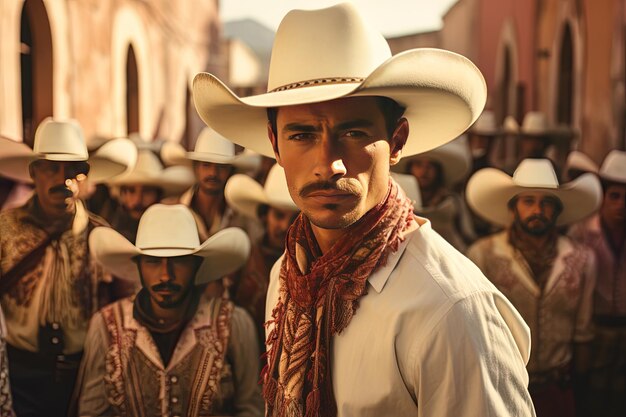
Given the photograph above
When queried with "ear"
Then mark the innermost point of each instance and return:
(274, 140)
(31, 170)
(398, 140)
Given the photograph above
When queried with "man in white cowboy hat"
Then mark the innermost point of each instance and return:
(272, 206)
(577, 164)
(49, 285)
(214, 160)
(170, 350)
(605, 234)
(481, 140)
(548, 277)
(371, 312)
(437, 172)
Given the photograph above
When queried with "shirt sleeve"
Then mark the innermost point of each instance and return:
(583, 330)
(245, 356)
(90, 389)
(473, 362)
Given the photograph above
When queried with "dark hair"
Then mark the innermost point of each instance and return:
(608, 183)
(262, 210)
(391, 110)
(558, 204)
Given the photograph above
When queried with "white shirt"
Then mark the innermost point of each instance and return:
(432, 337)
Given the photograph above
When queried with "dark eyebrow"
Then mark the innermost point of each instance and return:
(299, 127)
(351, 124)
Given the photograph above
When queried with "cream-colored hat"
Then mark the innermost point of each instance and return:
(327, 54)
(149, 171)
(486, 125)
(454, 157)
(63, 140)
(410, 186)
(510, 126)
(535, 123)
(244, 194)
(166, 231)
(581, 162)
(614, 167)
(489, 191)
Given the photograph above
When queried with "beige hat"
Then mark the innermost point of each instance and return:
(63, 140)
(580, 161)
(149, 171)
(166, 231)
(614, 167)
(489, 191)
(535, 124)
(244, 194)
(327, 54)
(410, 186)
(510, 126)
(486, 125)
(454, 157)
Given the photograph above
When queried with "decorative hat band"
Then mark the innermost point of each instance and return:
(300, 84)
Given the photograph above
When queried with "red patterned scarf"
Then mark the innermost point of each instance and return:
(318, 303)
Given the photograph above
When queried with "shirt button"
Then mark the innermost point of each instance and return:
(175, 400)
(55, 340)
(174, 379)
(56, 326)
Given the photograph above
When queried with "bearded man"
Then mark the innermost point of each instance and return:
(548, 277)
(371, 312)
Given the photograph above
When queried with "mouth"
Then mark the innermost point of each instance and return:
(330, 196)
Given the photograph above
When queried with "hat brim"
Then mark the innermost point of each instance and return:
(490, 190)
(244, 195)
(173, 180)
(443, 92)
(223, 253)
(112, 159)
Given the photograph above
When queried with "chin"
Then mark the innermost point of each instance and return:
(333, 219)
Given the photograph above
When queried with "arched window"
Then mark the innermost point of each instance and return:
(36, 67)
(132, 93)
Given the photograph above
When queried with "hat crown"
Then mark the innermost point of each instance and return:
(301, 49)
(486, 122)
(614, 166)
(147, 164)
(167, 227)
(536, 173)
(510, 125)
(276, 188)
(61, 138)
(535, 122)
(209, 141)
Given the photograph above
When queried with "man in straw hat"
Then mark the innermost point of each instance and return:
(548, 277)
(48, 282)
(605, 234)
(271, 205)
(437, 171)
(337, 115)
(170, 350)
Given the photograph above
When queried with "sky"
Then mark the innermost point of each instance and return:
(391, 17)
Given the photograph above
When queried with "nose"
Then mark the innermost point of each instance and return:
(329, 165)
(165, 275)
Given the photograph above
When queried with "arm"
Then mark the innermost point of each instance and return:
(583, 330)
(90, 389)
(245, 357)
(473, 362)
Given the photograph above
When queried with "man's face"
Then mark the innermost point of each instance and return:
(56, 182)
(536, 212)
(479, 144)
(277, 222)
(613, 208)
(137, 198)
(426, 171)
(211, 177)
(336, 155)
(168, 280)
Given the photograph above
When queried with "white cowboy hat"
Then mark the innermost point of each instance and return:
(149, 171)
(321, 55)
(63, 140)
(486, 125)
(167, 231)
(244, 194)
(535, 123)
(454, 158)
(581, 162)
(489, 191)
(410, 186)
(614, 167)
(510, 125)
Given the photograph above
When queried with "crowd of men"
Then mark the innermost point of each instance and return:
(138, 279)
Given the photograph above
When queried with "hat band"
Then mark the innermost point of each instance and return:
(166, 247)
(317, 81)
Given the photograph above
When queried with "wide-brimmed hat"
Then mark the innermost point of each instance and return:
(149, 171)
(327, 54)
(579, 161)
(63, 140)
(244, 195)
(489, 191)
(166, 231)
(614, 167)
(454, 157)
(486, 125)
(536, 124)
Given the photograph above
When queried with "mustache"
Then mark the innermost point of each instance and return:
(537, 217)
(210, 178)
(61, 188)
(346, 185)
(167, 286)
(138, 207)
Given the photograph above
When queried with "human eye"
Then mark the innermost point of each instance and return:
(302, 136)
(355, 134)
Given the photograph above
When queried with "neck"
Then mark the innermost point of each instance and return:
(615, 230)
(429, 195)
(208, 204)
(170, 314)
(326, 238)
